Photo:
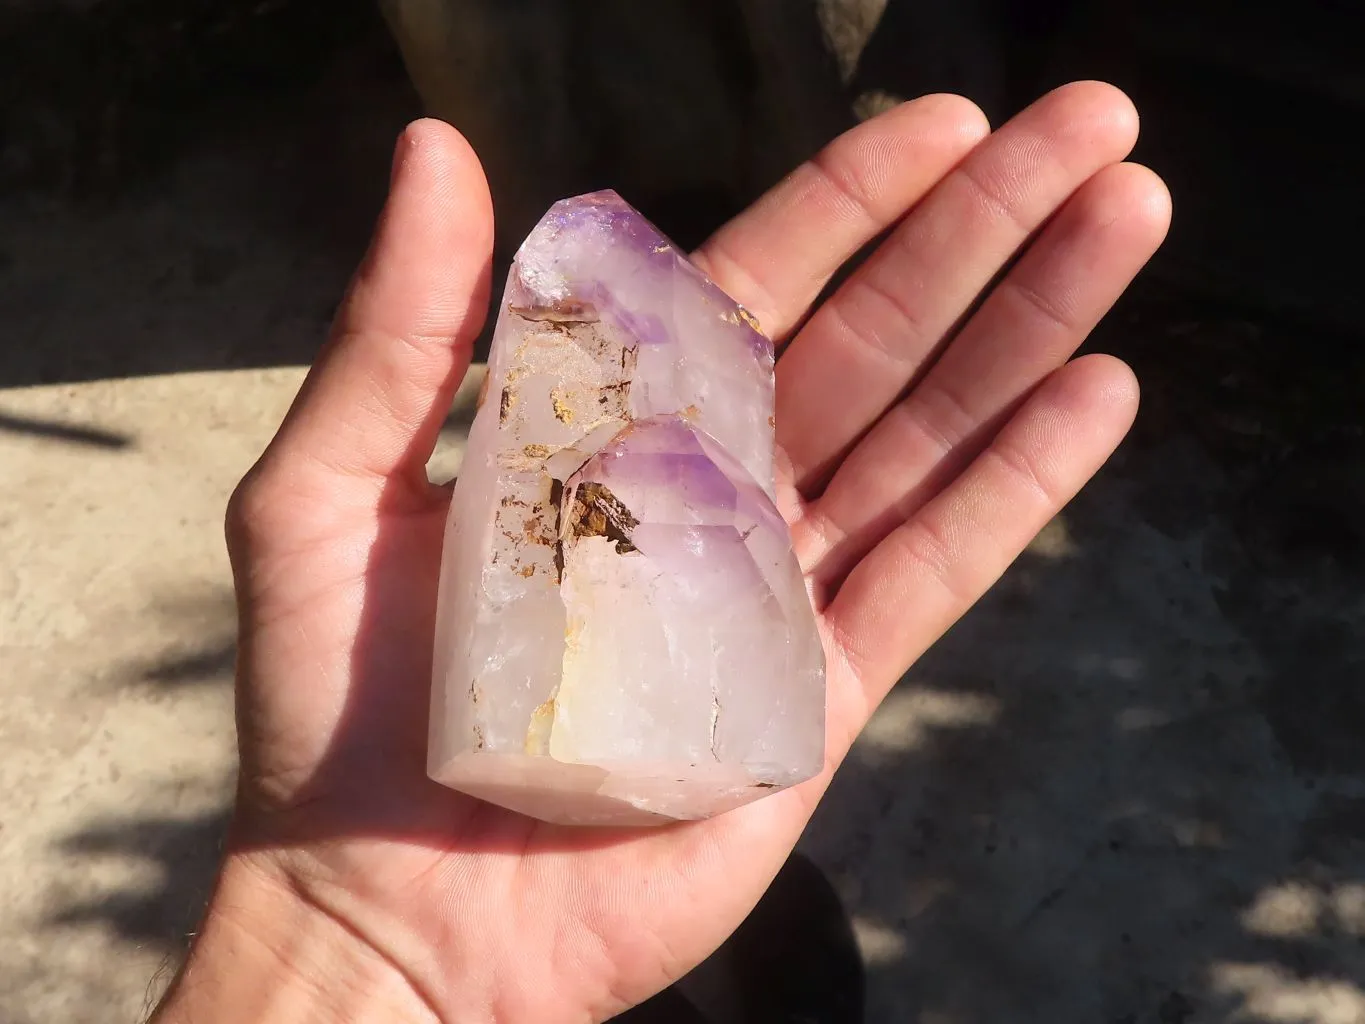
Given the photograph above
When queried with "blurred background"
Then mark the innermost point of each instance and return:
(1128, 788)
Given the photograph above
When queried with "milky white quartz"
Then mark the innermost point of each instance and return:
(623, 633)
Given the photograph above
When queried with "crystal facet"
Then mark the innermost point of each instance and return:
(623, 633)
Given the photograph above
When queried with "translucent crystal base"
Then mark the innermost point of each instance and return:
(623, 634)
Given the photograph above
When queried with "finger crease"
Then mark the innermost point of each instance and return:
(934, 426)
(925, 545)
(1050, 310)
(846, 643)
(828, 533)
(427, 346)
(846, 186)
(1021, 466)
(995, 201)
(900, 355)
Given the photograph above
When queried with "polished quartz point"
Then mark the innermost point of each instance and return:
(623, 632)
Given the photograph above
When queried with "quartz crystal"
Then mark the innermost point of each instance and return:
(624, 635)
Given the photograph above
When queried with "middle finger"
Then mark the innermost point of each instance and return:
(885, 324)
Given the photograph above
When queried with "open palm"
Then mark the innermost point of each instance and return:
(930, 421)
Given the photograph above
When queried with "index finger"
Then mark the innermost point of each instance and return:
(776, 256)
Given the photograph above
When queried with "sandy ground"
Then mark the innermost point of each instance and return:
(117, 746)
(1128, 788)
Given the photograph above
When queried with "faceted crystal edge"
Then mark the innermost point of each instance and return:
(560, 285)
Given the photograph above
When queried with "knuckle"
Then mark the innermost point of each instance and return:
(927, 544)
(849, 181)
(1029, 474)
(252, 508)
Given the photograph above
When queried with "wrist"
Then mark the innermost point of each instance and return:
(265, 954)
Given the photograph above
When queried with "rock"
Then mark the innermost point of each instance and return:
(624, 634)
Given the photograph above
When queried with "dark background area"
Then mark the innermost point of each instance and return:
(1249, 109)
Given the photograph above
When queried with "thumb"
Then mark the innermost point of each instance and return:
(375, 399)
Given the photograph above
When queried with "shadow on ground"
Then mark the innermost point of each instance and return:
(1128, 786)
(182, 850)
(219, 162)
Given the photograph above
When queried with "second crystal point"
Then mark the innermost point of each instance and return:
(623, 631)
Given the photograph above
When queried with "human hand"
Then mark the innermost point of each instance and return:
(929, 423)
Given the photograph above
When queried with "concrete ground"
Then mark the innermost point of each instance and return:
(1128, 788)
